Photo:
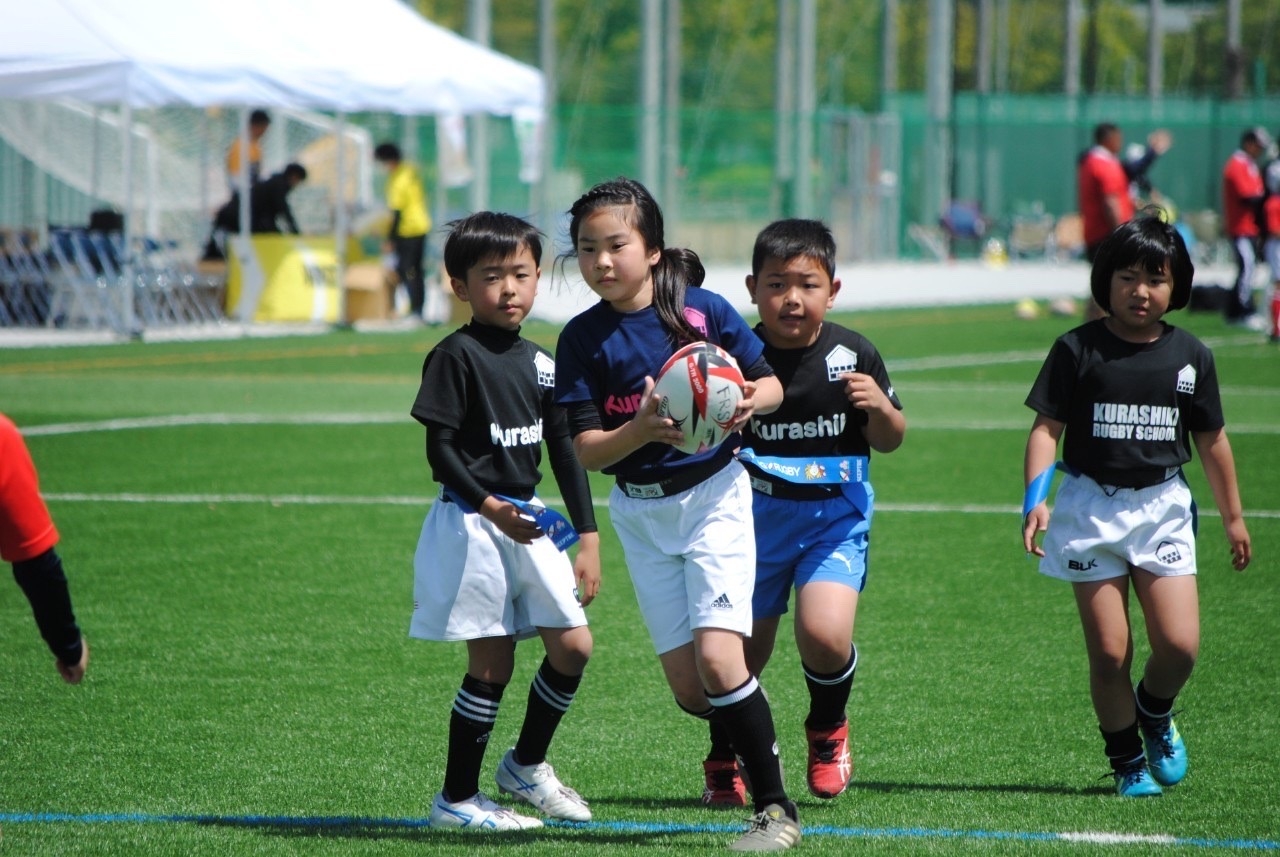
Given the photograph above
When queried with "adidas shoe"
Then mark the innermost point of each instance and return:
(477, 813)
(1134, 780)
(771, 830)
(1166, 752)
(539, 786)
(830, 766)
(724, 784)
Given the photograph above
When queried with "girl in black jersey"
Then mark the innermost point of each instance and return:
(1132, 394)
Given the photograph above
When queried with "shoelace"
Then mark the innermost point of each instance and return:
(825, 751)
(1162, 740)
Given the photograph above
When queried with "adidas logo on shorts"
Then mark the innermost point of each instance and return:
(722, 603)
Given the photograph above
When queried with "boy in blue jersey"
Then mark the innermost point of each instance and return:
(808, 463)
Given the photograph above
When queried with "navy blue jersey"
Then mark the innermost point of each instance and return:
(816, 417)
(1127, 406)
(604, 355)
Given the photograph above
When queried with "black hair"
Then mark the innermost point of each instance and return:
(387, 152)
(1150, 242)
(259, 117)
(296, 170)
(488, 234)
(793, 238)
(1103, 130)
(677, 268)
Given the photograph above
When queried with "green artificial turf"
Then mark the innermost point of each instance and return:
(238, 523)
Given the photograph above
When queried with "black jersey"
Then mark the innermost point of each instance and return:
(816, 417)
(1129, 408)
(495, 389)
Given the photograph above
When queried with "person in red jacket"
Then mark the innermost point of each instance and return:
(1242, 194)
(27, 540)
(1102, 194)
(1271, 247)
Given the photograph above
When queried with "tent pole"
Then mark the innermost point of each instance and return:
(242, 175)
(340, 226)
(126, 266)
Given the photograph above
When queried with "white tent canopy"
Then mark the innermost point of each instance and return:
(375, 55)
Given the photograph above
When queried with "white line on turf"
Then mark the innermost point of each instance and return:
(392, 500)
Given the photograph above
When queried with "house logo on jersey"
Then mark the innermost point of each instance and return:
(1168, 553)
(697, 319)
(1119, 421)
(1187, 379)
(546, 370)
(839, 361)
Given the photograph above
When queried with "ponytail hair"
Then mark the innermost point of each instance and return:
(677, 268)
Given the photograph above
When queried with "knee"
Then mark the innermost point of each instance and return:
(573, 651)
(1111, 662)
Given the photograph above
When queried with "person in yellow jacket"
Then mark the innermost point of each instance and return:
(259, 122)
(410, 222)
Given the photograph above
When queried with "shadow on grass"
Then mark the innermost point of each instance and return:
(418, 831)
(1020, 788)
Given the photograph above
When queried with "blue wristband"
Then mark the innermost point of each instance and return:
(1038, 491)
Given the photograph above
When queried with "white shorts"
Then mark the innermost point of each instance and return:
(1096, 532)
(471, 581)
(692, 556)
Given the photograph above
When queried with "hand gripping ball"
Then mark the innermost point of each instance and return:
(698, 389)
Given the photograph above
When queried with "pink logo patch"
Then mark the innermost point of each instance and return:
(696, 318)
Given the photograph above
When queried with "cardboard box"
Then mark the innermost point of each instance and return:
(367, 292)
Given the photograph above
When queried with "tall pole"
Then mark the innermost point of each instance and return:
(1071, 61)
(807, 102)
(479, 29)
(671, 114)
(986, 22)
(547, 60)
(937, 150)
(1155, 50)
(650, 90)
(1233, 68)
(889, 50)
(784, 110)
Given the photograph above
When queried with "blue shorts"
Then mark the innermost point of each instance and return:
(801, 541)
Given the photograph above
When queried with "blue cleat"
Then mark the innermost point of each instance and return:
(1134, 780)
(1166, 752)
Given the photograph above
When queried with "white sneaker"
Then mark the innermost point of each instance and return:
(539, 785)
(477, 813)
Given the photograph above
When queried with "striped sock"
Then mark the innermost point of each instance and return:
(550, 694)
(475, 709)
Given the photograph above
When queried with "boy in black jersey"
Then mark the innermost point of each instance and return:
(812, 501)
(486, 570)
(1132, 394)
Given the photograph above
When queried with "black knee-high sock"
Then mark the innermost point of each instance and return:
(1123, 747)
(749, 721)
(475, 709)
(721, 744)
(1152, 710)
(829, 693)
(549, 696)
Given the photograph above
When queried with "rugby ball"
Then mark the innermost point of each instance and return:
(698, 389)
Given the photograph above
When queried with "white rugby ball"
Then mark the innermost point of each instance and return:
(698, 389)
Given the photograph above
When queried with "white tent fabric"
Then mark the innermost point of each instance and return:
(374, 55)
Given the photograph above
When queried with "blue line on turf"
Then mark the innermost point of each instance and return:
(343, 821)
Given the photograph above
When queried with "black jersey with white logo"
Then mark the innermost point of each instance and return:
(816, 417)
(495, 389)
(1127, 406)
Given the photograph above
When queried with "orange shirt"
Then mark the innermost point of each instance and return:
(1099, 176)
(1241, 189)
